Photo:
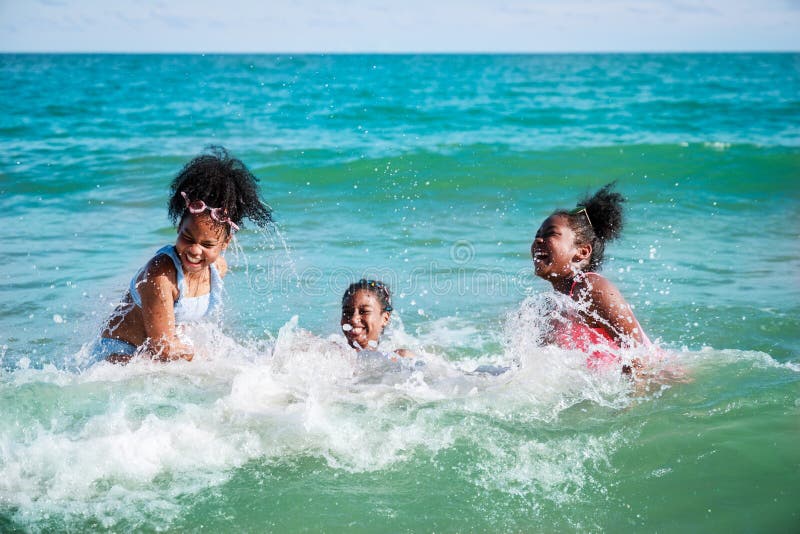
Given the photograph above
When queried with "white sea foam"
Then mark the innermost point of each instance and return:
(149, 432)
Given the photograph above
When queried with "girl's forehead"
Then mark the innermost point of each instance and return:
(556, 219)
(362, 296)
(201, 224)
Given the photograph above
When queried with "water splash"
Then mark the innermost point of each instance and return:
(151, 433)
(272, 234)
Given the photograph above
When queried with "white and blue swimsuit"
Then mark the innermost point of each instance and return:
(187, 309)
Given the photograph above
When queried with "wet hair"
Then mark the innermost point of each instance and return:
(376, 287)
(595, 220)
(221, 181)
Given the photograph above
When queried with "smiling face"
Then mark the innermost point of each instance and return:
(200, 242)
(363, 319)
(555, 254)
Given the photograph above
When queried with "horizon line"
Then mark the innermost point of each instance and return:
(392, 53)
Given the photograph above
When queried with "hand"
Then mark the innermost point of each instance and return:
(405, 353)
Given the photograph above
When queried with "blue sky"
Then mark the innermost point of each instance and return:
(398, 26)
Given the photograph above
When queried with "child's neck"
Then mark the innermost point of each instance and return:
(196, 280)
(195, 274)
(564, 285)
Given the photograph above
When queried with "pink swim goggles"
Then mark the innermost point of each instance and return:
(218, 214)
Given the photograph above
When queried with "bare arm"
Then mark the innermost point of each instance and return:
(158, 290)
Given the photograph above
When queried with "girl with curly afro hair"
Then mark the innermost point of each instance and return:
(567, 252)
(182, 283)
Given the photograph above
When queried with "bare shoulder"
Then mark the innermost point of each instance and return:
(599, 290)
(607, 303)
(159, 272)
(602, 290)
(161, 265)
(222, 265)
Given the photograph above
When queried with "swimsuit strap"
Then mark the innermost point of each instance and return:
(217, 285)
(165, 250)
(217, 289)
(580, 277)
(170, 251)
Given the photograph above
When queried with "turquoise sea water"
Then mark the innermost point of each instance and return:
(432, 173)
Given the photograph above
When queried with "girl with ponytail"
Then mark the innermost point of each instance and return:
(567, 252)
